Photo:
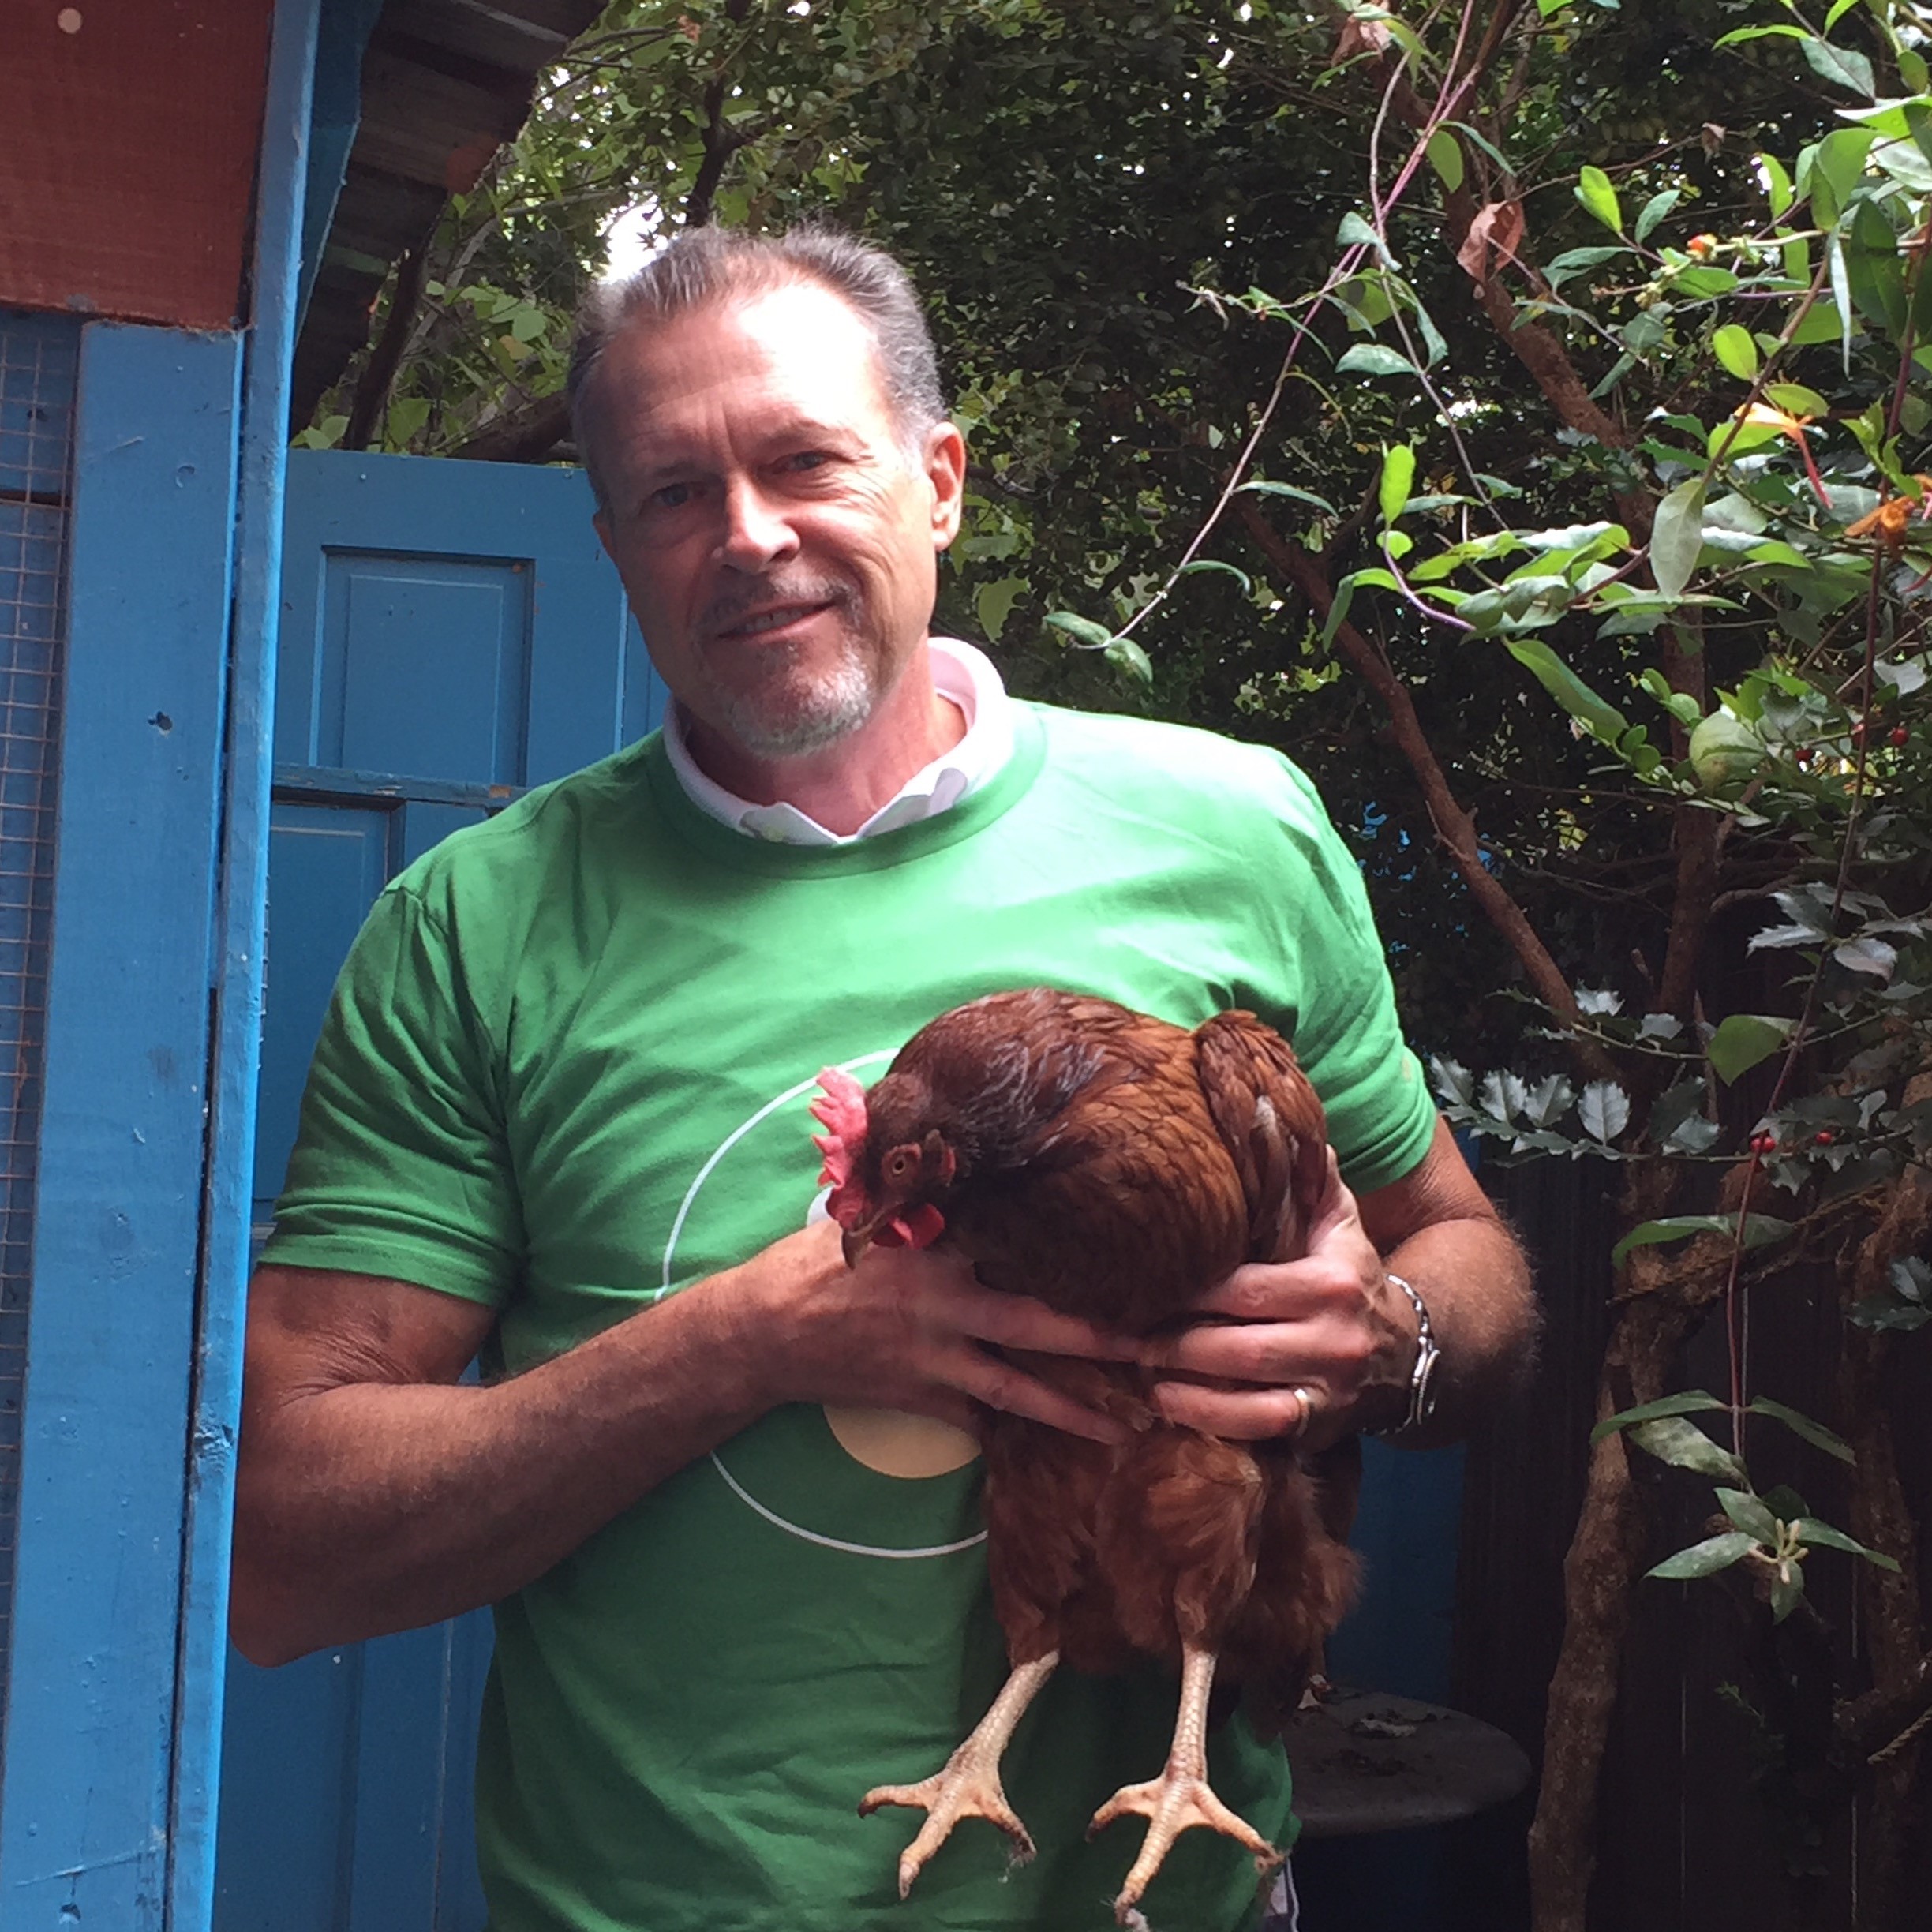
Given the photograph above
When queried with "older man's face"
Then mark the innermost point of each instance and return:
(778, 542)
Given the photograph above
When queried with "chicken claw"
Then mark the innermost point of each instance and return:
(1181, 1797)
(969, 1785)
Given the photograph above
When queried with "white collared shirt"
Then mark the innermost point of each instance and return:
(959, 673)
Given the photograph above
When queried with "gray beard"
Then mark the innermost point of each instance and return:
(768, 725)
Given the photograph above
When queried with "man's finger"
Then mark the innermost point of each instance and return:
(1000, 1385)
(1266, 1291)
(1242, 1415)
(1018, 1321)
(1236, 1352)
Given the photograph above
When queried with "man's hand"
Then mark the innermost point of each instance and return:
(1332, 1324)
(907, 1328)
(1327, 1334)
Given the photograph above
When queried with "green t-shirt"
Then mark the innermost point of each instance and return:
(566, 1072)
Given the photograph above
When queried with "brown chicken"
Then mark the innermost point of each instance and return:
(1114, 1167)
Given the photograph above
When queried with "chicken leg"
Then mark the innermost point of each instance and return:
(1181, 1796)
(969, 1785)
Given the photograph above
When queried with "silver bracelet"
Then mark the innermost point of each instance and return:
(1421, 1396)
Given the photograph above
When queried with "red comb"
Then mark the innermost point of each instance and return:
(840, 1108)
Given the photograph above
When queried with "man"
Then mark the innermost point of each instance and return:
(718, 1487)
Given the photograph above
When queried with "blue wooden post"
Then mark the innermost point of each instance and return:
(241, 916)
(89, 1749)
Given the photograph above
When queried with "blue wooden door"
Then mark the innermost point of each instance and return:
(451, 634)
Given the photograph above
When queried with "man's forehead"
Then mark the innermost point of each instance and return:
(798, 341)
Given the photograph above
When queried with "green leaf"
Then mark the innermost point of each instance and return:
(1082, 630)
(1750, 1515)
(1445, 154)
(1375, 359)
(1778, 188)
(1399, 464)
(1795, 399)
(1569, 689)
(1126, 656)
(1215, 563)
(1289, 489)
(1845, 66)
(1355, 232)
(1760, 1231)
(1823, 1536)
(1676, 536)
(1694, 1401)
(993, 603)
(1573, 261)
(1738, 35)
(1602, 1107)
(1682, 1444)
(1736, 348)
(1815, 1433)
(1705, 1559)
(1653, 212)
(1594, 191)
(1743, 1040)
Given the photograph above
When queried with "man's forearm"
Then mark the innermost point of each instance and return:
(1474, 1280)
(375, 1493)
(374, 1507)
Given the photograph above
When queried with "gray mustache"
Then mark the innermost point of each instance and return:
(726, 609)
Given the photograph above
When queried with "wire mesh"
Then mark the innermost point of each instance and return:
(38, 358)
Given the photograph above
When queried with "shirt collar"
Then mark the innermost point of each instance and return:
(959, 673)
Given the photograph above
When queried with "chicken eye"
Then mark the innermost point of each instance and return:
(901, 1163)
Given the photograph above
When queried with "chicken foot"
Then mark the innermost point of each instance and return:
(1181, 1796)
(969, 1785)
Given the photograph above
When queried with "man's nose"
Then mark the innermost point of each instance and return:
(757, 532)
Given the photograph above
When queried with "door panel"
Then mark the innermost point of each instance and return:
(425, 666)
(451, 633)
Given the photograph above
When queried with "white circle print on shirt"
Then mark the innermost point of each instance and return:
(887, 1441)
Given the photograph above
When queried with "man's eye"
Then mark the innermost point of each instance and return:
(809, 459)
(671, 497)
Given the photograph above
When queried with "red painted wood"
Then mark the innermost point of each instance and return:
(129, 130)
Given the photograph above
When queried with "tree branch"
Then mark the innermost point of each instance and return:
(373, 387)
(1454, 825)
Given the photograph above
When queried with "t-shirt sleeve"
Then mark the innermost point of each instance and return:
(402, 1165)
(1381, 1118)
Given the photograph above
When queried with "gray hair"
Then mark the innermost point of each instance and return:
(702, 266)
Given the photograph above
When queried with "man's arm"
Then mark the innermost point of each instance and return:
(1333, 1324)
(376, 1491)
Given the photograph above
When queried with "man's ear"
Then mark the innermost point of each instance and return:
(945, 469)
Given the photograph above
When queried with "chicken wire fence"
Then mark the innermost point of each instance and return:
(38, 358)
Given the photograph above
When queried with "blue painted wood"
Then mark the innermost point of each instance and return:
(589, 687)
(342, 859)
(237, 966)
(85, 1810)
(452, 632)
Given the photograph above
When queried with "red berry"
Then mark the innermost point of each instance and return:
(1901, 736)
(1824, 1137)
(1701, 245)
(1802, 756)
